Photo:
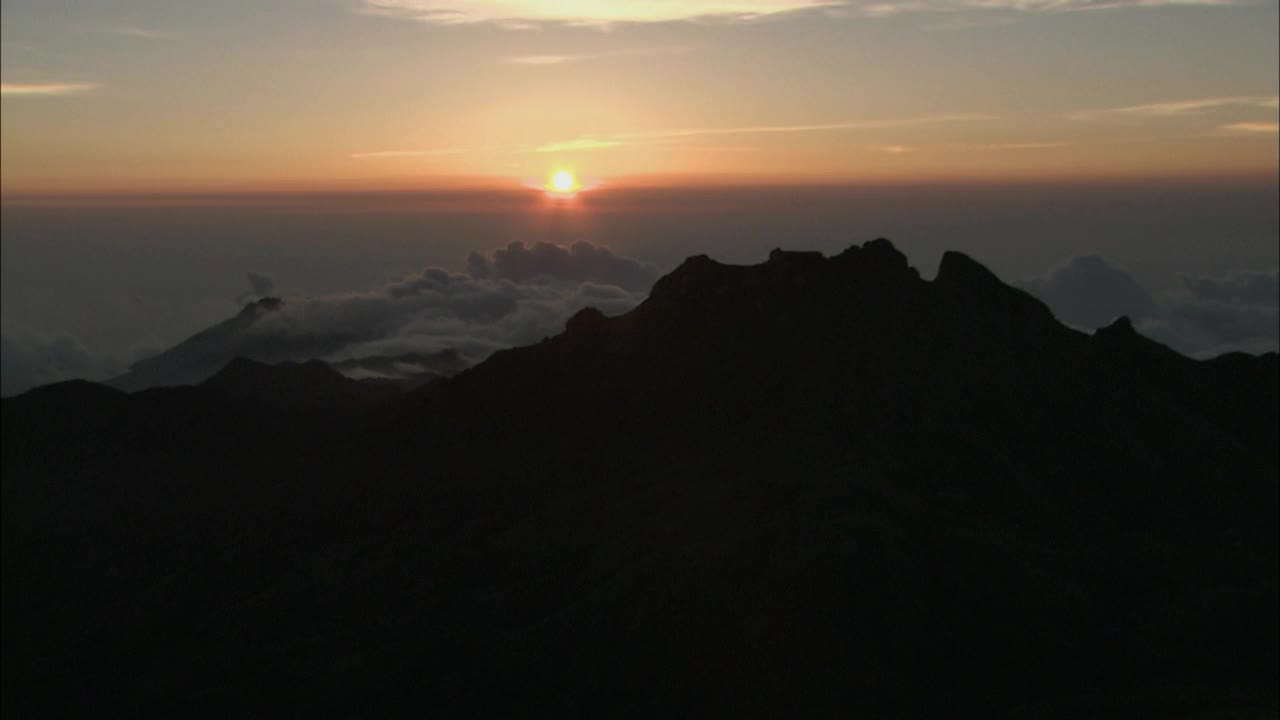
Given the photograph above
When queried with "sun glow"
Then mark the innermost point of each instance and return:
(562, 182)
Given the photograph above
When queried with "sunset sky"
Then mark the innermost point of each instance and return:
(158, 95)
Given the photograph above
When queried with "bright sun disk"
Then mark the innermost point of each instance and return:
(563, 181)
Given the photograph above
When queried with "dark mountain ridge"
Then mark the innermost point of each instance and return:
(811, 486)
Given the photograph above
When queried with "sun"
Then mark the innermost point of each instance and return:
(563, 182)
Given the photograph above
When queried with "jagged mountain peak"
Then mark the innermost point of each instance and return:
(1122, 326)
(876, 266)
(868, 290)
(958, 269)
(878, 256)
(585, 320)
(260, 307)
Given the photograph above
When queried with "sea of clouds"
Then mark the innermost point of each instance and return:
(1209, 316)
(514, 295)
(519, 294)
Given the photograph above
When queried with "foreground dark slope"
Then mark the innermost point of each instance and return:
(816, 485)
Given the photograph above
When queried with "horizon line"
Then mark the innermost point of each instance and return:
(492, 184)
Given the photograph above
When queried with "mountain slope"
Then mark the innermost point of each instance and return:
(204, 353)
(200, 356)
(811, 486)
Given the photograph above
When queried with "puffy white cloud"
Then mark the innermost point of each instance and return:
(474, 317)
(513, 296)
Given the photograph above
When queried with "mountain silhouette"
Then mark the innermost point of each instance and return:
(813, 486)
(200, 356)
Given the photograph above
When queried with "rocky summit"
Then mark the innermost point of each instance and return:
(817, 486)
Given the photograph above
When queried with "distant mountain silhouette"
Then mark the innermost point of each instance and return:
(814, 486)
(200, 356)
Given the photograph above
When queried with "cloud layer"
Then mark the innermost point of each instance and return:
(512, 296)
(519, 294)
(1235, 312)
(580, 262)
(436, 310)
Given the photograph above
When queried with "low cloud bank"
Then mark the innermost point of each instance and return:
(1210, 316)
(580, 262)
(519, 294)
(515, 295)
(512, 296)
(437, 310)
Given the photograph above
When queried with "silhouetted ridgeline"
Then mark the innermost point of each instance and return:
(200, 356)
(811, 486)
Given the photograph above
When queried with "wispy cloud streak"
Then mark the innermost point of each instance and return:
(1027, 145)
(890, 8)
(540, 60)
(1085, 5)
(1268, 128)
(437, 152)
(545, 60)
(955, 147)
(601, 142)
(577, 145)
(1179, 107)
(816, 127)
(44, 89)
(528, 14)
(133, 31)
(522, 14)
